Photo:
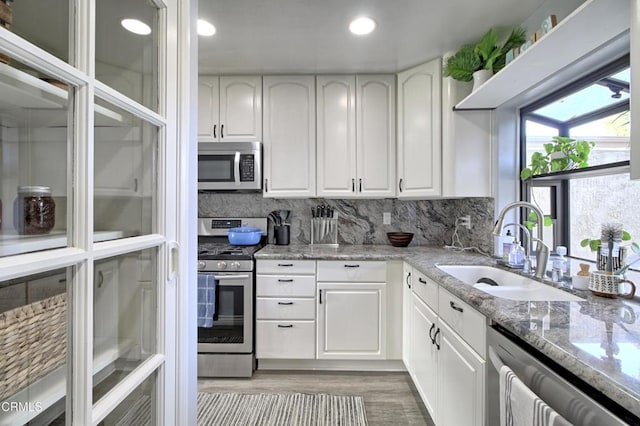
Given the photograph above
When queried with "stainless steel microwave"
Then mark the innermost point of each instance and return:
(229, 166)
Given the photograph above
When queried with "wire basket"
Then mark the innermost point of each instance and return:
(33, 341)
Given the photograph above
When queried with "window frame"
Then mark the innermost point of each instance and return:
(561, 181)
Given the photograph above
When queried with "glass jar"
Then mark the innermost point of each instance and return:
(34, 211)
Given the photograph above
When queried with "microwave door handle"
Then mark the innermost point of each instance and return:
(236, 168)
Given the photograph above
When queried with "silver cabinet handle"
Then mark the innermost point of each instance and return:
(455, 307)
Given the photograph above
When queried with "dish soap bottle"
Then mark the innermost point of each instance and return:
(559, 265)
(507, 242)
(516, 256)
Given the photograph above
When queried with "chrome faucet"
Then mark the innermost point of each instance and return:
(528, 247)
(542, 251)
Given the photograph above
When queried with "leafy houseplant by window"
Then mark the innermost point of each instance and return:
(564, 153)
(486, 54)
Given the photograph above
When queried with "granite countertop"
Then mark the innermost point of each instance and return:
(597, 339)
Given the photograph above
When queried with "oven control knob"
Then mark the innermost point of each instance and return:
(222, 265)
(235, 265)
(201, 265)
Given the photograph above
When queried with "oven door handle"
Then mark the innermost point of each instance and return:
(231, 277)
(236, 167)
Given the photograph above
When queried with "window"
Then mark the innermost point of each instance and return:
(579, 198)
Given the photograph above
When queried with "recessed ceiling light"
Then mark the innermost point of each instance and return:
(205, 28)
(136, 26)
(362, 25)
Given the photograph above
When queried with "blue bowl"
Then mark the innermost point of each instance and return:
(244, 236)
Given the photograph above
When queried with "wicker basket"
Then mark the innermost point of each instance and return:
(33, 341)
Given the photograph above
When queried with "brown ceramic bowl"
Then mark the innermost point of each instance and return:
(399, 239)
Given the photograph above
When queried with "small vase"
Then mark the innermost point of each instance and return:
(480, 76)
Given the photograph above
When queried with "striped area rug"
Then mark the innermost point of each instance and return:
(298, 409)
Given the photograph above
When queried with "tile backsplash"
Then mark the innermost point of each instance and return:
(360, 221)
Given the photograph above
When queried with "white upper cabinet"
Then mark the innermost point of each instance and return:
(336, 102)
(419, 131)
(229, 109)
(376, 135)
(356, 136)
(289, 145)
(466, 145)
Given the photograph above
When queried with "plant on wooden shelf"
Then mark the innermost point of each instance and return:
(563, 153)
(485, 55)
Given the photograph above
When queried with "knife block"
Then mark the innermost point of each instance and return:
(324, 231)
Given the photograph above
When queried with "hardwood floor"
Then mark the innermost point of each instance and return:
(390, 398)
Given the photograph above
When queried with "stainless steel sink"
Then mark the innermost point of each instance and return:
(509, 285)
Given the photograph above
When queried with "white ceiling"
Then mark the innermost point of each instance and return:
(312, 36)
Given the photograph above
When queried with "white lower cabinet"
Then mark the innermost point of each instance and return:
(351, 321)
(285, 309)
(424, 353)
(446, 355)
(460, 383)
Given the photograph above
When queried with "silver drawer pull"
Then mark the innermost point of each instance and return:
(285, 281)
(285, 326)
(285, 264)
(351, 266)
(455, 307)
(422, 281)
(285, 303)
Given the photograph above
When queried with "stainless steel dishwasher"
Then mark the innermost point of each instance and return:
(565, 393)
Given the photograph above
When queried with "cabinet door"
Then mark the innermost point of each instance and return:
(118, 164)
(240, 109)
(419, 138)
(461, 376)
(424, 354)
(406, 317)
(208, 108)
(336, 108)
(376, 136)
(466, 139)
(289, 136)
(351, 321)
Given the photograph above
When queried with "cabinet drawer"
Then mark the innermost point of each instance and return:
(425, 288)
(463, 319)
(286, 285)
(290, 308)
(286, 267)
(285, 339)
(354, 271)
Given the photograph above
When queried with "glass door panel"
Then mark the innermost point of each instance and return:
(125, 293)
(125, 164)
(43, 23)
(33, 348)
(34, 160)
(126, 59)
(138, 408)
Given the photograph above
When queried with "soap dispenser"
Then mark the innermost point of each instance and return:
(516, 256)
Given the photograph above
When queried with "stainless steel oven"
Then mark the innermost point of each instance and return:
(229, 166)
(226, 344)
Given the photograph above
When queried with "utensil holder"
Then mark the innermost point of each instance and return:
(324, 231)
(281, 233)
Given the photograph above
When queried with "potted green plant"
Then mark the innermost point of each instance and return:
(563, 153)
(485, 55)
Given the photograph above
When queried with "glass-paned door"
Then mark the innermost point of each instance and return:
(89, 189)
